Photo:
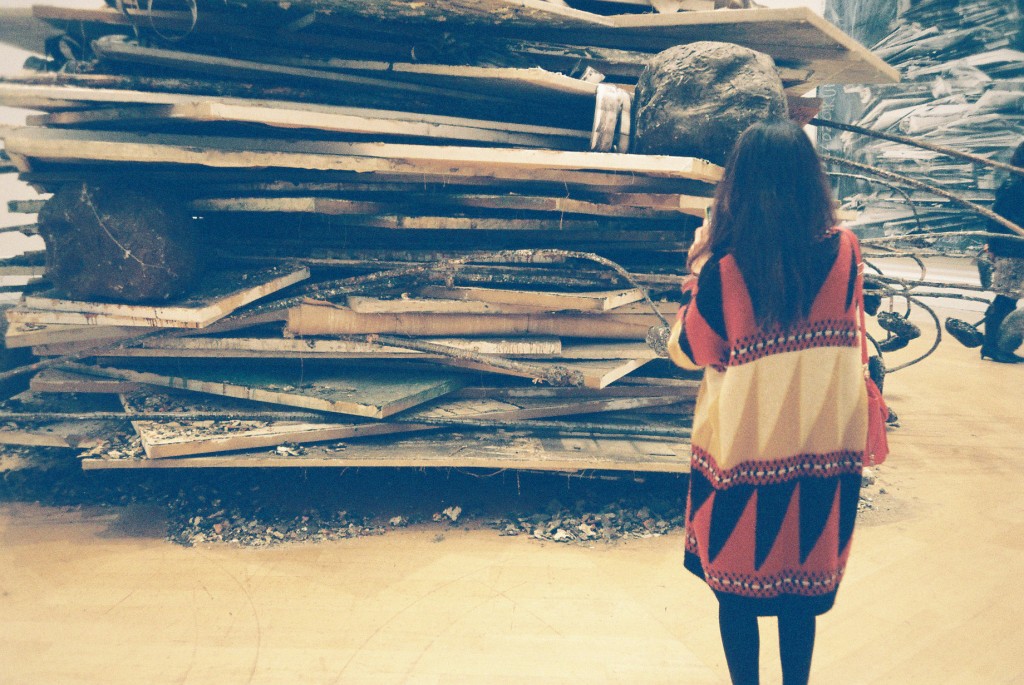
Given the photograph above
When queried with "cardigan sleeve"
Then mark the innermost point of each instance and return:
(700, 323)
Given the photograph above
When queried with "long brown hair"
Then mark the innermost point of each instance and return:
(771, 207)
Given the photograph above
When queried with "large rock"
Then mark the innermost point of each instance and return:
(694, 100)
(117, 244)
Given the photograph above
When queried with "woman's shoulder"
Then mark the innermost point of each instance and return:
(832, 243)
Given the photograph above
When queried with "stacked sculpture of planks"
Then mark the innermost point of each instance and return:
(425, 239)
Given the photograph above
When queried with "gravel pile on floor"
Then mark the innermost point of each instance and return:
(612, 522)
(264, 507)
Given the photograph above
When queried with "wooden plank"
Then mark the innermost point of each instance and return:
(494, 449)
(611, 204)
(358, 391)
(117, 48)
(321, 318)
(162, 439)
(787, 34)
(320, 348)
(258, 28)
(790, 35)
(33, 334)
(20, 271)
(531, 82)
(281, 113)
(49, 175)
(379, 215)
(632, 386)
(64, 381)
(509, 409)
(623, 65)
(25, 206)
(20, 29)
(305, 116)
(409, 305)
(68, 434)
(694, 206)
(198, 311)
(548, 301)
(581, 167)
(608, 350)
(596, 374)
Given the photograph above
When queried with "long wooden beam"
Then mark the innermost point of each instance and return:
(72, 146)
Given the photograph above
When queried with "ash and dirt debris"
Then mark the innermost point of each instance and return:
(268, 507)
(872, 492)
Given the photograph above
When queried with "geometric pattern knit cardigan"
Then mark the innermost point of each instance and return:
(779, 430)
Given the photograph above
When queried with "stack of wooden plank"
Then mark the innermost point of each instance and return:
(428, 242)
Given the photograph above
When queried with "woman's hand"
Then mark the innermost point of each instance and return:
(699, 250)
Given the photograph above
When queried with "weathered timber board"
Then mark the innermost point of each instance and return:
(695, 206)
(71, 146)
(324, 118)
(320, 348)
(64, 381)
(72, 434)
(608, 350)
(531, 82)
(549, 301)
(162, 439)
(198, 311)
(794, 34)
(321, 318)
(50, 174)
(636, 386)
(408, 305)
(25, 206)
(761, 29)
(116, 48)
(98, 105)
(359, 391)
(25, 271)
(596, 374)
(492, 449)
(377, 215)
(624, 65)
(34, 335)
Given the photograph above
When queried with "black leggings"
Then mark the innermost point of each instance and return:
(742, 641)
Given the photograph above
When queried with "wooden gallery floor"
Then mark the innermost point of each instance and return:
(933, 592)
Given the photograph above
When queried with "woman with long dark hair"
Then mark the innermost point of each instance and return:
(781, 418)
